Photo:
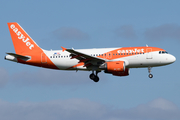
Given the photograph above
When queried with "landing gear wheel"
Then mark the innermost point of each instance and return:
(150, 76)
(94, 77)
(149, 70)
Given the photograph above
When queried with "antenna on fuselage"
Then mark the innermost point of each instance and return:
(146, 45)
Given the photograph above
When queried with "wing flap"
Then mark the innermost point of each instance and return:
(88, 60)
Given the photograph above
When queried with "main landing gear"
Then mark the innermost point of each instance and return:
(94, 77)
(149, 70)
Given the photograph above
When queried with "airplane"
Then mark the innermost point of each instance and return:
(115, 61)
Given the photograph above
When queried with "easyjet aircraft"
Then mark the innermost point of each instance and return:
(115, 61)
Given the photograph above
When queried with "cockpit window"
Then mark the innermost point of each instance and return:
(163, 52)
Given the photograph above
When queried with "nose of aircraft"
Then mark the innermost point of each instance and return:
(172, 59)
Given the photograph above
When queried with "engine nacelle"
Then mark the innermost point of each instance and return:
(115, 66)
(116, 73)
(125, 73)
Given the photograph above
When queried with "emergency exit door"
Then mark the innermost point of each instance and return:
(149, 53)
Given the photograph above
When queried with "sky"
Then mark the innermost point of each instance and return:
(28, 92)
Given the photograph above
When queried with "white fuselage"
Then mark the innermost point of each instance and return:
(63, 59)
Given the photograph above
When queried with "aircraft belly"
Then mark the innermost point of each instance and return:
(140, 61)
(143, 62)
(63, 64)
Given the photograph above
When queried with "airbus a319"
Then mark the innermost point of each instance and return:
(115, 61)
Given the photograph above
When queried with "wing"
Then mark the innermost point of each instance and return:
(87, 59)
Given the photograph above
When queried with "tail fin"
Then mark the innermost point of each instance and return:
(27, 51)
(22, 42)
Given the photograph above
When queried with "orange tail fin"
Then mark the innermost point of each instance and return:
(23, 43)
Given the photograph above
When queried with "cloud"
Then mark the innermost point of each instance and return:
(83, 109)
(158, 109)
(71, 109)
(163, 32)
(50, 77)
(126, 32)
(3, 77)
(162, 104)
(69, 33)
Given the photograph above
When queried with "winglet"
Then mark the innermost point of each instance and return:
(63, 49)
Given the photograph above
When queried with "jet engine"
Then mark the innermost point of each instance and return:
(116, 68)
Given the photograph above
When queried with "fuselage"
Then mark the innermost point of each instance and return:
(115, 61)
(134, 57)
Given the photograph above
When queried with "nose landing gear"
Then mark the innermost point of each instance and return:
(149, 70)
(94, 77)
(150, 76)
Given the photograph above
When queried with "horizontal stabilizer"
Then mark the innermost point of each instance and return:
(19, 56)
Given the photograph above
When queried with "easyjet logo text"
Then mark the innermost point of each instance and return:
(131, 51)
(22, 37)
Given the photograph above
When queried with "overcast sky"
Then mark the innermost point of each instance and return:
(28, 92)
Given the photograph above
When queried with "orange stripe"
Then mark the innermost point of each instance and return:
(125, 51)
